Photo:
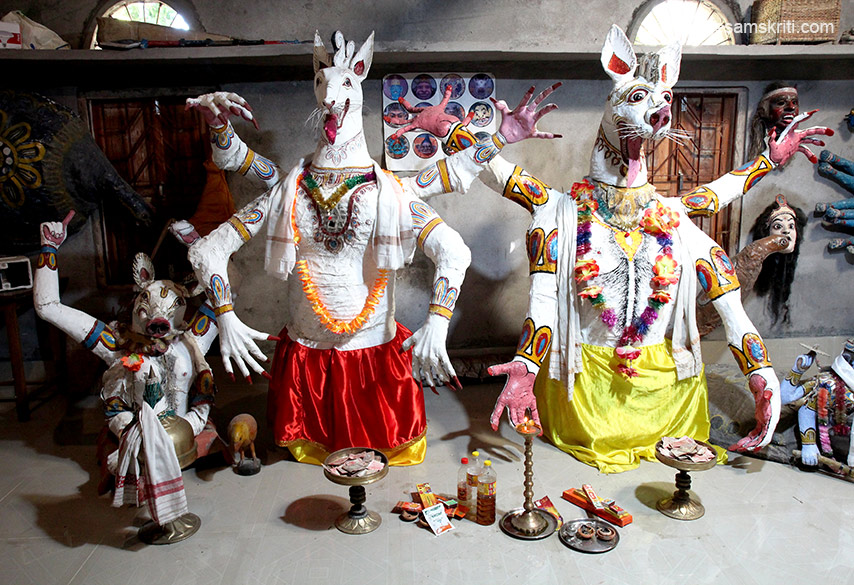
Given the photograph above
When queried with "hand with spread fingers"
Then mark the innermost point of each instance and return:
(517, 396)
(237, 344)
(433, 119)
(791, 140)
(521, 123)
(218, 106)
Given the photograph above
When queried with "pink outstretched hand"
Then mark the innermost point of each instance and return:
(517, 396)
(791, 140)
(433, 119)
(521, 123)
(54, 233)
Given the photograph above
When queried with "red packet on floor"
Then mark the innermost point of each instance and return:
(408, 506)
(546, 504)
(611, 512)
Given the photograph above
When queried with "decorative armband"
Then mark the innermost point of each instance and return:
(534, 342)
(459, 138)
(717, 277)
(202, 320)
(752, 355)
(204, 389)
(219, 295)
(754, 170)
(444, 298)
(238, 226)
(47, 257)
(114, 405)
(429, 175)
(424, 220)
(808, 437)
(701, 202)
(222, 136)
(542, 251)
(100, 333)
(525, 190)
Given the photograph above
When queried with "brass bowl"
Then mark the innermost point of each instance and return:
(686, 465)
(364, 480)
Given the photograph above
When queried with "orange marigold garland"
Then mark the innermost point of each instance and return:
(658, 221)
(340, 326)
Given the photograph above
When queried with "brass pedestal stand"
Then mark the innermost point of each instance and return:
(528, 522)
(179, 529)
(681, 505)
(358, 520)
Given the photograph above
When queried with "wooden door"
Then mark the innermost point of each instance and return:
(159, 148)
(704, 153)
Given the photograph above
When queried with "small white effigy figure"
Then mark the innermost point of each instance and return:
(158, 388)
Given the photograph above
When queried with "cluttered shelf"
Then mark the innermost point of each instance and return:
(182, 66)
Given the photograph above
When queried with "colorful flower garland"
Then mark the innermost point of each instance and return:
(340, 326)
(333, 199)
(659, 221)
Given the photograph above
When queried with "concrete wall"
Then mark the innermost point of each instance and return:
(492, 305)
(414, 23)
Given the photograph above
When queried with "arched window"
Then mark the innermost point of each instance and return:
(146, 11)
(151, 12)
(691, 22)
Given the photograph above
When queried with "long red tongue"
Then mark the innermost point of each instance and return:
(633, 146)
(331, 128)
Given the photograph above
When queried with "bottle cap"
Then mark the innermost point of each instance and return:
(488, 463)
(475, 453)
(464, 460)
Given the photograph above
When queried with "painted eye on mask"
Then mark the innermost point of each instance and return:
(316, 81)
(638, 95)
(668, 96)
(347, 82)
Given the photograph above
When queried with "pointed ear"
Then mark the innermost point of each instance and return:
(361, 62)
(321, 58)
(618, 57)
(143, 270)
(669, 62)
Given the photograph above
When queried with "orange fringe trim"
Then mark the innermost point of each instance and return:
(339, 326)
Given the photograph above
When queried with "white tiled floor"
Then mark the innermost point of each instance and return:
(764, 523)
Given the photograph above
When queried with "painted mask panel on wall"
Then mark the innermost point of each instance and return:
(50, 165)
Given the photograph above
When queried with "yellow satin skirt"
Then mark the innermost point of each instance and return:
(412, 453)
(612, 422)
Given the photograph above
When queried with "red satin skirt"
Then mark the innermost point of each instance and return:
(337, 399)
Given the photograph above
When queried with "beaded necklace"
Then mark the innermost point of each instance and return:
(658, 221)
(329, 202)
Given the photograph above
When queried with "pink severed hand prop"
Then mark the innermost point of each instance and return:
(216, 107)
(433, 119)
(521, 123)
(792, 140)
(765, 419)
(517, 396)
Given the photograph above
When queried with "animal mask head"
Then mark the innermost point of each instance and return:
(158, 310)
(639, 103)
(338, 80)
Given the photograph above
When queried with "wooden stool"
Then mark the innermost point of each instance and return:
(51, 346)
